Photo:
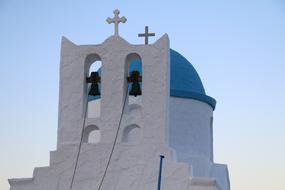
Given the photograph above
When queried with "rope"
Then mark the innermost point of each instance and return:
(114, 144)
(112, 150)
(80, 144)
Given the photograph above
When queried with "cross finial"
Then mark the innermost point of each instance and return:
(116, 20)
(146, 34)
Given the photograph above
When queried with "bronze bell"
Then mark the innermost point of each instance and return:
(136, 89)
(135, 79)
(94, 90)
(94, 79)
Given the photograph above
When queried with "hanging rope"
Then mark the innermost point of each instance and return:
(80, 144)
(115, 141)
(112, 150)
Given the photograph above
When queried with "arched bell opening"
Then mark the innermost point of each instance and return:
(93, 66)
(132, 134)
(91, 134)
(134, 78)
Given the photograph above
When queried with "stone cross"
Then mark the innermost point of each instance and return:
(116, 20)
(146, 34)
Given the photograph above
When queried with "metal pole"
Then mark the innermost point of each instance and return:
(160, 171)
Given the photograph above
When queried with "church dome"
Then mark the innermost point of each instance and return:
(185, 81)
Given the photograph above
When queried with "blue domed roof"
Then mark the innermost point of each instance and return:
(185, 81)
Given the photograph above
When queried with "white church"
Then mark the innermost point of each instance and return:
(131, 117)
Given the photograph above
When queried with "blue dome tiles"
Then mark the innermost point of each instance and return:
(185, 81)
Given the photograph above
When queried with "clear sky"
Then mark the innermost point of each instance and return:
(237, 47)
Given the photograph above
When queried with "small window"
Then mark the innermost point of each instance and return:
(132, 134)
(91, 134)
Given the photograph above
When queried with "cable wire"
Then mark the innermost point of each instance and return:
(79, 147)
(115, 141)
(112, 150)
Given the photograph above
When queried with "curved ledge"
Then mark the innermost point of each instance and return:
(196, 96)
(183, 94)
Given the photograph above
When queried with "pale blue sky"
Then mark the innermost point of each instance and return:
(237, 47)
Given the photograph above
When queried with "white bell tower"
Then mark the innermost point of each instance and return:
(130, 135)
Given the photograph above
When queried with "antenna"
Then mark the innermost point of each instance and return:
(160, 171)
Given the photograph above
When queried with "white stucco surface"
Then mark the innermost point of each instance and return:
(191, 136)
(93, 108)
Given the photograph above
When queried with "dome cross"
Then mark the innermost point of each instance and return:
(116, 20)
